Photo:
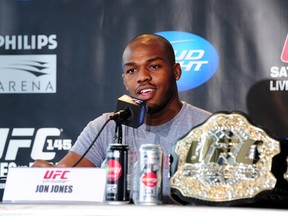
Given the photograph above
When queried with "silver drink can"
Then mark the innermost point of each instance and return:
(150, 174)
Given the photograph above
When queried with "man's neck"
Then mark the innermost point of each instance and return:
(164, 115)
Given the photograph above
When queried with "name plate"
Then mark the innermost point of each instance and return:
(55, 184)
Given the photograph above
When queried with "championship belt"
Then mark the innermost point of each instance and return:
(228, 161)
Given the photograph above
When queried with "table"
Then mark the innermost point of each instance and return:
(92, 209)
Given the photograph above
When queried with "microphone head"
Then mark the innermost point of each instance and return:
(137, 108)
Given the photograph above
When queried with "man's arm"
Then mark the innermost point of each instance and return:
(68, 161)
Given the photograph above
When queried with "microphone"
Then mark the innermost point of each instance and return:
(130, 111)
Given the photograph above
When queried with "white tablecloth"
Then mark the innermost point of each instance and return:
(130, 210)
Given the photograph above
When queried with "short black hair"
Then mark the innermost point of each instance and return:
(167, 45)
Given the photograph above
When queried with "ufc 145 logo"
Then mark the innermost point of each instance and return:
(38, 140)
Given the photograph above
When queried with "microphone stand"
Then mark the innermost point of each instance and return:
(119, 132)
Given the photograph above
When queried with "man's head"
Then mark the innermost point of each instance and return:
(150, 71)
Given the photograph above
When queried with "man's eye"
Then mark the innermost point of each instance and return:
(154, 66)
(130, 71)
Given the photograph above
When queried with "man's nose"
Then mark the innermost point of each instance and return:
(143, 75)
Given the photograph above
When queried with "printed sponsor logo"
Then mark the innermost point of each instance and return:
(27, 74)
(42, 143)
(197, 57)
(150, 179)
(114, 170)
(279, 74)
(56, 174)
(284, 54)
(28, 42)
(33, 73)
(51, 177)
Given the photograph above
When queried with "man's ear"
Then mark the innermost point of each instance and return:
(177, 71)
(124, 82)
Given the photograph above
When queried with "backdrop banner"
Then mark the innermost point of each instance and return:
(60, 64)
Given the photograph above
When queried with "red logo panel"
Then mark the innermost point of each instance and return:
(284, 54)
(150, 179)
(114, 170)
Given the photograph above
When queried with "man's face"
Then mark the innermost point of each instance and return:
(148, 74)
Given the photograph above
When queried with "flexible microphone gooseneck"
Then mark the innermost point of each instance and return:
(131, 112)
(122, 115)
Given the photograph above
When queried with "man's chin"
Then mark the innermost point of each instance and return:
(153, 109)
(150, 110)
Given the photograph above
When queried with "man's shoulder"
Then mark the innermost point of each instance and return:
(193, 115)
(193, 110)
(99, 121)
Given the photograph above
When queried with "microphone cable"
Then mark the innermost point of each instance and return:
(92, 143)
(115, 116)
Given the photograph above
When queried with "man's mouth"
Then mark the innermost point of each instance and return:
(146, 91)
(146, 94)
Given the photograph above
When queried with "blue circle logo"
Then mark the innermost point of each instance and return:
(197, 57)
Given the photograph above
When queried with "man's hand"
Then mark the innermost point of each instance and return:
(42, 163)
(68, 161)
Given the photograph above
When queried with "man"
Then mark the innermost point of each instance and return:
(150, 74)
